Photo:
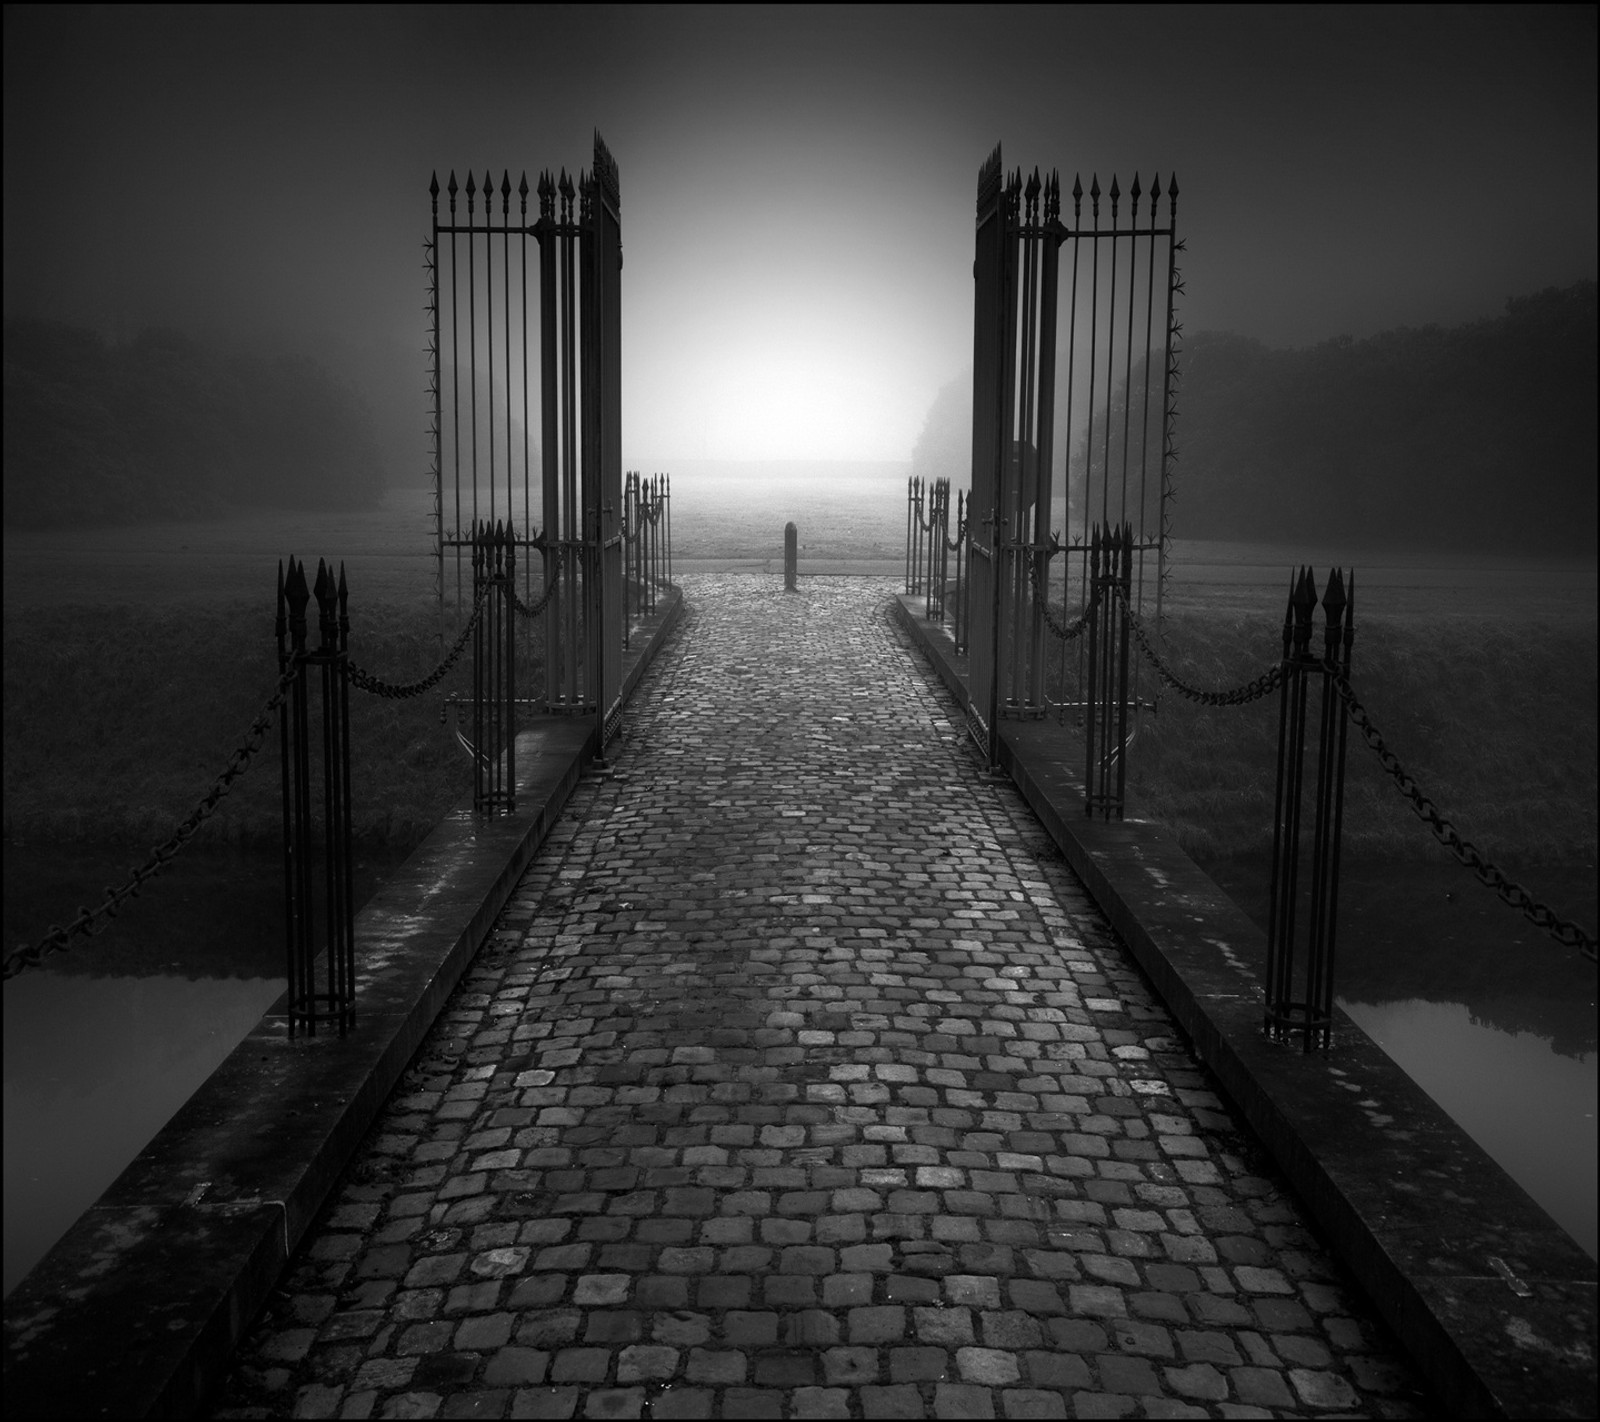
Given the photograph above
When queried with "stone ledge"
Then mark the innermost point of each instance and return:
(137, 1309)
(1423, 1218)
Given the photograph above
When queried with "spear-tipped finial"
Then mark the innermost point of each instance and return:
(1172, 196)
(1288, 616)
(1115, 193)
(565, 188)
(1094, 192)
(1133, 193)
(1305, 602)
(1333, 603)
(505, 191)
(433, 186)
(1033, 184)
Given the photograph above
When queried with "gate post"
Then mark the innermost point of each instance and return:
(307, 1006)
(1289, 1010)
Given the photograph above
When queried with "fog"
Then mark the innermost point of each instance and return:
(797, 184)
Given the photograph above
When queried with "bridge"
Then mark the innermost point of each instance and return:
(788, 1042)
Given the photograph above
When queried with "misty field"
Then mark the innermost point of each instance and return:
(135, 660)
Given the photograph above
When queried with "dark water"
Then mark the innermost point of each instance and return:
(1485, 1012)
(103, 1047)
(1489, 1016)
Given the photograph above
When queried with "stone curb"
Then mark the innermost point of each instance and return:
(1494, 1301)
(137, 1309)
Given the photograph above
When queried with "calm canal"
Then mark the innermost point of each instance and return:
(1481, 1010)
(102, 1048)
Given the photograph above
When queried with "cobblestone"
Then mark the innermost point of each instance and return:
(801, 1078)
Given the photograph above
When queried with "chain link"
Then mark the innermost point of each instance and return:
(1566, 933)
(1263, 685)
(58, 938)
(364, 680)
(540, 605)
(1060, 629)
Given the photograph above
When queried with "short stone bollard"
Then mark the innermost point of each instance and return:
(791, 556)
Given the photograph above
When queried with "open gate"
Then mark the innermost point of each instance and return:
(486, 355)
(1120, 359)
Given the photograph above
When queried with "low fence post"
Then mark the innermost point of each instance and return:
(1302, 1003)
(938, 529)
(494, 669)
(1106, 702)
(962, 512)
(791, 557)
(307, 1005)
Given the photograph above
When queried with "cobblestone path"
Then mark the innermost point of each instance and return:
(801, 1078)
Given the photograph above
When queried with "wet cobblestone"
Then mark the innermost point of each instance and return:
(801, 1078)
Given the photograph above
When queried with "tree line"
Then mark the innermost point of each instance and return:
(164, 427)
(1480, 436)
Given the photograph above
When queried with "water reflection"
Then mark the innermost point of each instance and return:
(1530, 1107)
(94, 1067)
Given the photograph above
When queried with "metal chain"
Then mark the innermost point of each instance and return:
(556, 556)
(364, 680)
(59, 938)
(1263, 685)
(1061, 630)
(539, 606)
(1566, 933)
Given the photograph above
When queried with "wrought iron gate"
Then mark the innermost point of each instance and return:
(481, 375)
(1118, 361)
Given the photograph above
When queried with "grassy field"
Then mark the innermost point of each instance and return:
(1494, 720)
(135, 660)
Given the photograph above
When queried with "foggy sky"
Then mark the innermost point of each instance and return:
(797, 184)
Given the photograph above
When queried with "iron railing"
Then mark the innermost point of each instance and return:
(326, 665)
(1299, 998)
(647, 544)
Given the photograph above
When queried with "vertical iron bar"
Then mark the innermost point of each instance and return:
(1111, 348)
(505, 322)
(348, 1021)
(1089, 781)
(1123, 660)
(508, 612)
(477, 668)
(455, 381)
(1044, 442)
(527, 461)
(1169, 411)
(569, 484)
(550, 443)
(433, 392)
(472, 335)
(911, 485)
(488, 328)
(1144, 417)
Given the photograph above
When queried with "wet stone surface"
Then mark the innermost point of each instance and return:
(801, 1078)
